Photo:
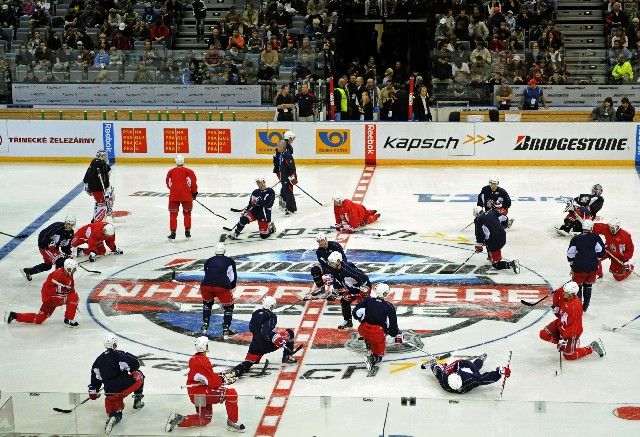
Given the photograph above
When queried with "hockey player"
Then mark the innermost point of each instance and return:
(619, 247)
(289, 138)
(584, 206)
(566, 329)
(97, 184)
(183, 189)
(494, 197)
(206, 388)
(490, 233)
(259, 208)
(57, 290)
(119, 372)
(288, 177)
(265, 338)
(377, 319)
(95, 235)
(584, 253)
(54, 243)
(462, 376)
(350, 281)
(219, 281)
(350, 215)
(325, 248)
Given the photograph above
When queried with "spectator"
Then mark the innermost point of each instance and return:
(102, 77)
(481, 51)
(525, 19)
(30, 78)
(443, 30)
(616, 51)
(24, 57)
(315, 9)
(496, 19)
(341, 101)
(141, 31)
(621, 37)
(85, 58)
(54, 42)
(233, 17)
(504, 96)
(532, 96)
(216, 39)
(626, 111)
(480, 68)
(43, 57)
(64, 57)
(510, 20)
(366, 108)
(545, 14)
(284, 104)
(255, 43)
(49, 77)
(374, 96)
(306, 56)
(175, 9)
(120, 41)
(616, 17)
(114, 18)
(314, 31)
(283, 18)
(442, 71)
(462, 21)
(150, 55)
(496, 44)
(623, 71)
(236, 40)
(503, 31)
(160, 34)
(604, 111)
(305, 100)
(249, 19)
(557, 79)
(212, 58)
(633, 33)
(115, 57)
(101, 59)
(399, 73)
(388, 104)
(388, 76)
(7, 16)
(148, 14)
(275, 43)
(269, 61)
(142, 75)
(130, 17)
(421, 108)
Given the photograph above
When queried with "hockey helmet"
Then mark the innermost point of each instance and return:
(614, 225)
(381, 290)
(70, 266)
(220, 249)
(101, 154)
(337, 198)
(70, 220)
(596, 190)
(455, 381)
(334, 258)
(110, 341)
(321, 237)
(571, 287)
(494, 180)
(478, 211)
(179, 160)
(587, 225)
(201, 344)
(268, 302)
(108, 230)
(260, 179)
(289, 136)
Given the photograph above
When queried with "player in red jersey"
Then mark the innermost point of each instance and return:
(95, 235)
(183, 189)
(205, 388)
(350, 215)
(57, 290)
(619, 248)
(565, 331)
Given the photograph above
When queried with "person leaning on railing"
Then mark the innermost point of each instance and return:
(532, 96)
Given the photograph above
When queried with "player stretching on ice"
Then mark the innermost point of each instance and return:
(97, 184)
(95, 235)
(584, 253)
(566, 329)
(619, 247)
(350, 215)
(54, 244)
(57, 290)
(259, 208)
(206, 388)
(325, 248)
(377, 319)
(265, 338)
(490, 233)
(219, 281)
(183, 189)
(352, 282)
(119, 372)
(584, 206)
(462, 376)
(494, 197)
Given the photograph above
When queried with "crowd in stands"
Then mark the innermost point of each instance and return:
(622, 27)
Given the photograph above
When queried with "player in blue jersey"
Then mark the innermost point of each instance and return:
(289, 138)
(462, 376)
(584, 253)
(325, 248)
(259, 208)
(494, 197)
(490, 233)
(54, 243)
(348, 280)
(219, 281)
(288, 177)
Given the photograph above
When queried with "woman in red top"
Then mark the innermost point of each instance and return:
(205, 388)
(183, 189)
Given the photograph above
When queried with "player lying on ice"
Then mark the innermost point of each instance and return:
(462, 376)
(350, 215)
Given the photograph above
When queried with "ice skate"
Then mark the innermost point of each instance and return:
(26, 274)
(137, 402)
(187, 233)
(79, 251)
(288, 359)
(9, 317)
(510, 222)
(515, 265)
(272, 227)
(204, 328)
(347, 324)
(235, 426)
(111, 421)
(173, 421)
(598, 347)
(70, 323)
(227, 331)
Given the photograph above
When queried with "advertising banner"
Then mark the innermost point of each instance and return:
(53, 139)
(580, 95)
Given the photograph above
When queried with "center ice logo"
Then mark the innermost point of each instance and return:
(430, 300)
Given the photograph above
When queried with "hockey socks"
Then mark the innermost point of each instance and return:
(206, 312)
(42, 267)
(584, 294)
(228, 314)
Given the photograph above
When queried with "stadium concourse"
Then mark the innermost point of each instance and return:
(415, 246)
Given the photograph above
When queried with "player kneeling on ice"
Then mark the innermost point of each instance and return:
(582, 207)
(206, 388)
(119, 372)
(348, 280)
(265, 338)
(95, 235)
(219, 281)
(377, 319)
(325, 248)
(566, 329)
(494, 197)
(350, 216)
(462, 376)
(490, 233)
(259, 208)
(619, 247)
(57, 290)
(584, 253)
(54, 244)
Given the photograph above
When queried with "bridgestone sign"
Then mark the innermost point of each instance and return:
(531, 143)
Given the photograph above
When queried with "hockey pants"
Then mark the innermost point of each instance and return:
(204, 406)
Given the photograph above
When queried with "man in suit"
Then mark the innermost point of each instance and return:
(421, 105)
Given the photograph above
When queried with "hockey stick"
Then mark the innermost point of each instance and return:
(384, 424)
(200, 203)
(608, 328)
(86, 269)
(436, 357)
(620, 262)
(293, 352)
(560, 361)
(504, 380)
(67, 411)
(263, 371)
(173, 279)
(465, 262)
(532, 304)
(467, 225)
(357, 231)
(14, 236)
(240, 210)
(312, 198)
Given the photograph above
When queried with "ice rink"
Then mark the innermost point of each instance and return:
(415, 246)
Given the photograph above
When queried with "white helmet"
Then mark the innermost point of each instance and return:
(596, 190)
(179, 160)
(614, 225)
(110, 341)
(381, 290)
(101, 154)
(70, 220)
(70, 266)
(268, 302)
(571, 287)
(260, 178)
(220, 249)
(455, 381)
(321, 237)
(333, 259)
(337, 198)
(478, 211)
(587, 225)
(494, 180)
(201, 344)
(289, 136)
(108, 230)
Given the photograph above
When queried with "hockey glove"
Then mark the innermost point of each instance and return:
(194, 195)
(504, 371)
(92, 257)
(562, 344)
(556, 310)
(489, 204)
(479, 248)
(293, 179)
(338, 227)
(117, 251)
(399, 339)
(228, 377)
(627, 267)
(327, 280)
(347, 228)
(93, 393)
(280, 339)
